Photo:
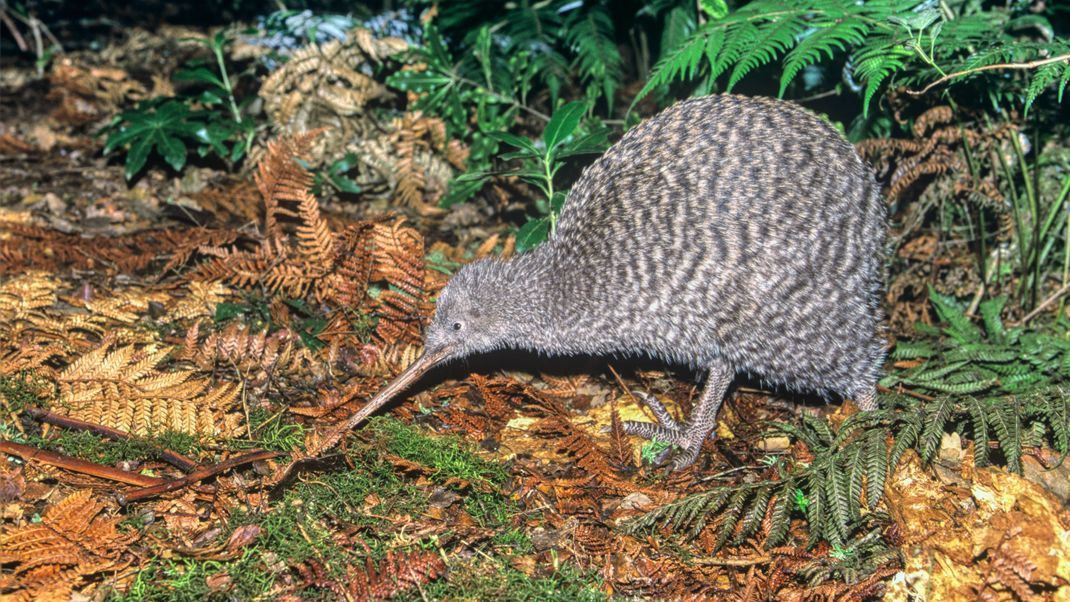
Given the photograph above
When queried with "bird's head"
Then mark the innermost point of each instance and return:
(478, 311)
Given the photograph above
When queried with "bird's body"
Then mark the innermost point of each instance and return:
(731, 234)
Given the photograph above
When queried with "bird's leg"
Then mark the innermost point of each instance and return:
(689, 436)
(867, 401)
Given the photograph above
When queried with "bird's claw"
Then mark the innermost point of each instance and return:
(685, 437)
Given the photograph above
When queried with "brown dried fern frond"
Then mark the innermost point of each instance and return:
(258, 357)
(23, 297)
(321, 84)
(939, 152)
(279, 177)
(123, 387)
(71, 542)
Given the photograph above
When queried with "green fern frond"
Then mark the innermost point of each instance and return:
(1007, 427)
(758, 507)
(979, 427)
(682, 63)
(876, 466)
(935, 420)
(815, 509)
(773, 39)
(839, 35)
(780, 519)
(590, 37)
(907, 437)
(731, 516)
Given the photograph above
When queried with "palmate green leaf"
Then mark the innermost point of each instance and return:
(172, 149)
(156, 125)
(136, 156)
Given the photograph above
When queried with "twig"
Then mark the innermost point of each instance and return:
(1021, 66)
(1043, 305)
(32, 454)
(19, 40)
(900, 390)
(197, 475)
(751, 561)
(620, 382)
(171, 457)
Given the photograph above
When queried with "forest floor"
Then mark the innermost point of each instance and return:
(175, 349)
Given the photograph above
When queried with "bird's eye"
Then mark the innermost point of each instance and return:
(456, 325)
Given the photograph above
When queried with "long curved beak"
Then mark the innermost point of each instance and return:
(411, 374)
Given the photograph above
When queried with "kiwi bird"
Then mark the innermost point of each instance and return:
(732, 234)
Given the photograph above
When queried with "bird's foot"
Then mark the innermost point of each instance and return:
(687, 438)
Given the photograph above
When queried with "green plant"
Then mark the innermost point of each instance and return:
(1035, 211)
(476, 96)
(211, 120)
(569, 45)
(195, 580)
(650, 450)
(911, 41)
(450, 462)
(334, 175)
(961, 358)
(539, 164)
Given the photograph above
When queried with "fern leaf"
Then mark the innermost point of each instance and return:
(837, 491)
(731, 516)
(780, 518)
(912, 350)
(990, 311)
(820, 428)
(1059, 416)
(929, 442)
(876, 466)
(598, 60)
(736, 41)
(681, 62)
(773, 39)
(1008, 432)
(839, 35)
(874, 65)
(815, 509)
(979, 426)
(908, 436)
(856, 471)
(758, 508)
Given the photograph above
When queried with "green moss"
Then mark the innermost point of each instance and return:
(481, 579)
(450, 459)
(187, 579)
(302, 524)
(270, 432)
(94, 448)
(23, 390)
